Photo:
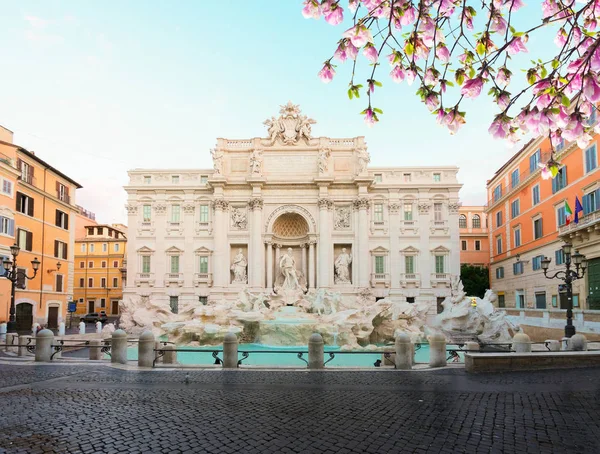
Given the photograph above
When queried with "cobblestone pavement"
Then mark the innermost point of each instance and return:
(86, 409)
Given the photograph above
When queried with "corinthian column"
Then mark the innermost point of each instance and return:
(311, 265)
(394, 210)
(364, 270)
(257, 249)
(324, 265)
(221, 265)
(269, 265)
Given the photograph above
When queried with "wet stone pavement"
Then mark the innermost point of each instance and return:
(88, 409)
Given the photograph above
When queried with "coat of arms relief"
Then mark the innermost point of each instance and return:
(290, 127)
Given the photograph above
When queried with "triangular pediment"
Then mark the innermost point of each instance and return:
(145, 249)
(174, 250)
(380, 249)
(441, 249)
(410, 250)
(203, 250)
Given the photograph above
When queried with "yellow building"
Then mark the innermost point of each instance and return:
(43, 202)
(99, 269)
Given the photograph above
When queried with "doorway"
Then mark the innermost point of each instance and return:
(53, 317)
(91, 305)
(24, 316)
(115, 308)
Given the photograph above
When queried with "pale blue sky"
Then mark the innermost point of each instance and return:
(99, 88)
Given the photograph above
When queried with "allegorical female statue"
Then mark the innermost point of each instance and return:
(238, 267)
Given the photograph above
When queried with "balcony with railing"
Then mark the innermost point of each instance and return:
(63, 197)
(6, 160)
(145, 278)
(28, 178)
(203, 278)
(440, 278)
(413, 279)
(380, 279)
(590, 221)
(174, 279)
(439, 226)
(409, 226)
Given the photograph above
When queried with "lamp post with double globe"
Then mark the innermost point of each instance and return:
(568, 276)
(13, 274)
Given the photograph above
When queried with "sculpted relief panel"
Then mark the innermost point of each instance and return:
(342, 218)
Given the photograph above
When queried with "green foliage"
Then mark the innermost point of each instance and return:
(475, 279)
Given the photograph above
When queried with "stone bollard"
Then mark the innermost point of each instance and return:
(521, 343)
(472, 347)
(578, 343)
(23, 343)
(437, 350)
(81, 328)
(404, 352)
(96, 349)
(43, 345)
(230, 351)
(118, 349)
(61, 329)
(170, 355)
(98, 327)
(553, 345)
(316, 352)
(146, 349)
(12, 339)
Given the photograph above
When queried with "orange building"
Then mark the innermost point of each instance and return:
(99, 269)
(527, 221)
(474, 239)
(44, 208)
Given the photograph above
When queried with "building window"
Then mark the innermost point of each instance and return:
(203, 264)
(518, 237)
(535, 194)
(175, 179)
(174, 303)
(81, 282)
(147, 179)
(82, 247)
(520, 299)
(561, 216)
(476, 221)
(59, 283)
(540, 300)
(537, 229)
(115, 282)
(463, 245)
(477, 245)
(26, 172)
(25, 239)
(90, 282)
(534, 160)
(104, 247)
(116, 247)
(379, 264)
(174, 264)
(81, 264)
(103, 282)
(378, 178)
(536, 262)
(62, 220)
(560, 181)
(203, 300)
(378, 212)
(462, 221)
(204, 214)
(591, 159)
(203, 179)
(515, 208)
(514, 178)
(115, 264)
(24, 204)
(62, 192)
(7, 187)
(175, 213)
(145, 264)
(406, 177)
(102, 302)
(591, 202)
(147, 213)
(498, 218)
(559, 257)
(437, 177)
(103, 263)
(575, 300)
(437, 211)
(499, 244)
(497, 193)
(408, 212)
(7, 226)
(92, 247)
(439, 264)
(90, 264)
(518, 268)
(500, 272)
(554, 300)
(501, 302)
(409, 264)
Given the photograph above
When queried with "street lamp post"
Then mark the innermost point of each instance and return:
(568, 276)
(12, 273)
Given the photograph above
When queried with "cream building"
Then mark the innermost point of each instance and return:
(197, 236)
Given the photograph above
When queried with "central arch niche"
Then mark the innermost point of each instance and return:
(290, 226)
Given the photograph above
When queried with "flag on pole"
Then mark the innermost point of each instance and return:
(568, 212)
(578, 209)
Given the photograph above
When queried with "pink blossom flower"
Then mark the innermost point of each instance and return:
(440, 117)
(340, 53)
(359, 35)
(370, 53)
(353, 5)
(472, 88)
(555, 138)
(409, 16)
(410, 74)
(454, 121)
(549, 8)
(327, 72)
(546, 172)
(311, 9)
(498, 24)
(516, 46)
(334, 15)
(543, 101)
(561, 37)
(503, 100)
(499, 128)
(431, 76)
(515, 5)
(591, 89)
(561, 119)
(576, 34)
(432, 101)
(503, 76)
(397, 74)
(442, 53)
(370, 117)
(595, 60)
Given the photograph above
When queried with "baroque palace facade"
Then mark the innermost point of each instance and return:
(197, 236)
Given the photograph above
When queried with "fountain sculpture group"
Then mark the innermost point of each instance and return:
(290, 314)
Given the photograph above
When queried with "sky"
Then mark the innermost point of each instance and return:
(98, 90)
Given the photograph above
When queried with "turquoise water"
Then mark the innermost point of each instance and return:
(264, 356)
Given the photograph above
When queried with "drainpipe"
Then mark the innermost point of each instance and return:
(43, 235)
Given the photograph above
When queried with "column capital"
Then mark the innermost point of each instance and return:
(160, 208)
(394, 207)
(188, 208)
(220, 204)
(132, 208)
(362, 202)
(256, 203)
(303, 245)
(325, 203)
(424, 206)
(278, 245)
(453, 207)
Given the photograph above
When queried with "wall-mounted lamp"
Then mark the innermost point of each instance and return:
(58, 265)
